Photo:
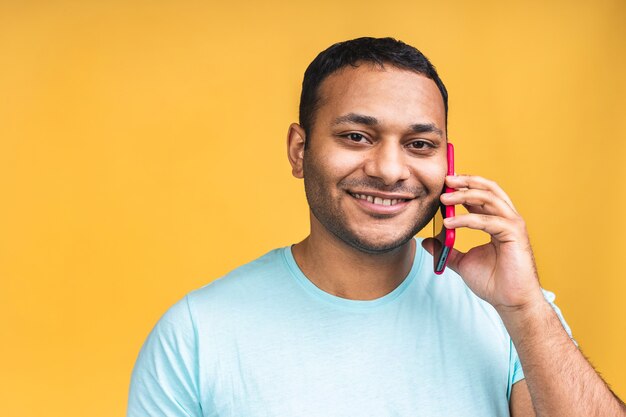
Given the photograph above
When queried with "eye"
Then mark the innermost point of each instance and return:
(355, 137)
(419, 144)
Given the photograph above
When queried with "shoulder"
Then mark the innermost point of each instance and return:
(178, 325)
(455, 304)
(244, 281)
(242, 293)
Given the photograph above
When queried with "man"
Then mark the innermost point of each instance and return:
(352, 321)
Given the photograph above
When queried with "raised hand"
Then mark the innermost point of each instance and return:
(502, 272)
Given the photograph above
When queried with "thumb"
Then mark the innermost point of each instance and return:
(454, 257)
(429, 245)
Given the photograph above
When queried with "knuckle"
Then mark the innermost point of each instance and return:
(519, 223)
(484, 218)
(492, 184)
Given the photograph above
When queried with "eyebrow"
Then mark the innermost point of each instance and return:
(372, 121)
(356, 118)
(426, 128)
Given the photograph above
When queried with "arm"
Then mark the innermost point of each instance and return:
(559, 379)
(521, 404)
(164, 379)
(561, 382)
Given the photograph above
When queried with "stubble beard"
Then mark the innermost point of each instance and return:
(328, 212)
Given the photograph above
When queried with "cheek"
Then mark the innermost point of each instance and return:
(432, 176)
(338, 165)
(322, 171)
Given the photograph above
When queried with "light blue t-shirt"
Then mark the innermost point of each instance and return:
(264, 341)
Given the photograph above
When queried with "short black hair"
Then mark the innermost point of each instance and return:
(378, 51)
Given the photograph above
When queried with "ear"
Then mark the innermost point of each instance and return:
(296, 138)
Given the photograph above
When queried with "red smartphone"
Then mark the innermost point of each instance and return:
(444, 238)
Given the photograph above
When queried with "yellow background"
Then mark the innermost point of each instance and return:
(142, 155)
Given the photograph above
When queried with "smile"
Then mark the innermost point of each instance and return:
(380, 207)
(378, 200)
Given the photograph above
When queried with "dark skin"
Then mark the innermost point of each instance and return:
(368, 161)
(381, 132)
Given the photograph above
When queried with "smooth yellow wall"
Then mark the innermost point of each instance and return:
(142, 155)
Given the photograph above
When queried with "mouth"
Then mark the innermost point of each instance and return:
(379, 200)
(381, 204)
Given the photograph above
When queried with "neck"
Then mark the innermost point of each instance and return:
(341, 270)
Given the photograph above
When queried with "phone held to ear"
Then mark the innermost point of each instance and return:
(444, 238)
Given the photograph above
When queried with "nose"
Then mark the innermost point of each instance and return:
(387, 162)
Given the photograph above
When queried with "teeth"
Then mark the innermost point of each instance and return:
(378, 200)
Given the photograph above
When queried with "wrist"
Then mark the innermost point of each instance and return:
(530, 310)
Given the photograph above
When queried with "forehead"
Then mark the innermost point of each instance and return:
(392, 95)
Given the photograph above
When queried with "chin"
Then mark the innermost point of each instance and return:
(374, 245)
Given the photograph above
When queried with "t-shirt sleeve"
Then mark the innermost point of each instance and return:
(516, 373)
(164, 380)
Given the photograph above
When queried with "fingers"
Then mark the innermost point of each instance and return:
(500, 228)
(473, 182)
(490, 209)
(479, 201)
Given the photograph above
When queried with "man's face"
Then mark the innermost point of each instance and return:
(376, 159)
